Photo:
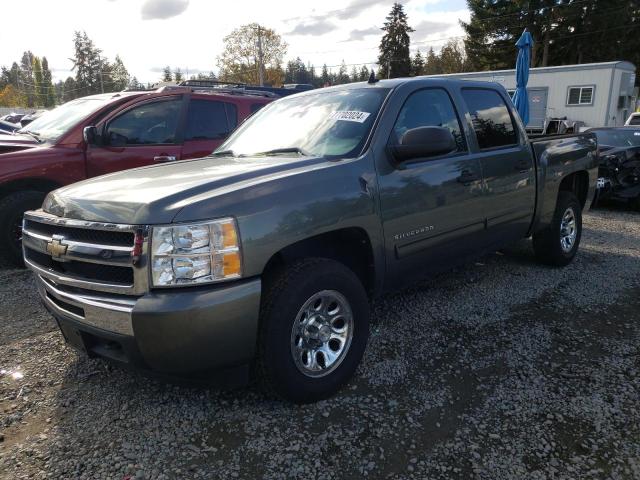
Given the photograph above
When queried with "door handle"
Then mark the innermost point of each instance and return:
(164, 158)
(467, 176)
(522, 166)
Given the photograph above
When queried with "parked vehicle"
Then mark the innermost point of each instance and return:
(123, 130)
(634, 119)
(8, 127)
(619, 153)
(30, 117)
(12, 117)
(263, 257)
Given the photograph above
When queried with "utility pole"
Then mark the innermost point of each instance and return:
(388, 68)
(260, 66)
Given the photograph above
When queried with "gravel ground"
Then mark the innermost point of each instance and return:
(501, 369)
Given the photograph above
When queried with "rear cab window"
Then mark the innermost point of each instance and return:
(492, 122)
(210, 120)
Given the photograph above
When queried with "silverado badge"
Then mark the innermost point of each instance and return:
(56, 248)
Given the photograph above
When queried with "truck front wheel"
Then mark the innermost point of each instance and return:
(12, 208)
(558, 243)
(314, 328)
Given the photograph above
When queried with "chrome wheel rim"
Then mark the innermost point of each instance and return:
(568, 230)
(322, 333)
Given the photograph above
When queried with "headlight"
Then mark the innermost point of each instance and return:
(195, 253)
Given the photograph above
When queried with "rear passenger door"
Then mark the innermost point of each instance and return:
(208, 124)
(430, 207)
(507, 165)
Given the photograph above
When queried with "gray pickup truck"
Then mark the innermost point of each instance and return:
(260, 260)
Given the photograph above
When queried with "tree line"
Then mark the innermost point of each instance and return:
(29, 83)
(565, 32)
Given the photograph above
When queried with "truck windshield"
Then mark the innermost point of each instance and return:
(619, 138)
(329, 123)
(51, 125)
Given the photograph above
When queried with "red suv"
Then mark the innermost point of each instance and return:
(105, 133)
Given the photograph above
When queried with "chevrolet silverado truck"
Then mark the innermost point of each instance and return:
(260, 260)
(123, 130)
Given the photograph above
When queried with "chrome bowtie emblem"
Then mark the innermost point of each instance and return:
(56, 248)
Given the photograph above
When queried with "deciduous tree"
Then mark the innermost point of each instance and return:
(248, 46)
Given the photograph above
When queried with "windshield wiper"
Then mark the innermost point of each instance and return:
(224, 153)
(277, 151)
(35, 135)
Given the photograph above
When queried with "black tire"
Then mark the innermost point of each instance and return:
(547, 243)
(286, 293)
(12, 208)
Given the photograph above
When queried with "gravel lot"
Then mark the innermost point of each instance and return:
(501, 369)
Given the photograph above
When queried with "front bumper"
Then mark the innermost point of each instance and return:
(182, 332)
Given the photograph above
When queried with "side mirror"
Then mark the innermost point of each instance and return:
(423, 142)
(90, 135)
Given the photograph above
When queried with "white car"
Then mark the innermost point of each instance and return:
(634, 119)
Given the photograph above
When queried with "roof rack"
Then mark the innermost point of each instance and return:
(236, 88)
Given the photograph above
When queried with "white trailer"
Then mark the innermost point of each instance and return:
(598, 94)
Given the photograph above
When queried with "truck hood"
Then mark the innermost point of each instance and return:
(156, 194)
(12, 143)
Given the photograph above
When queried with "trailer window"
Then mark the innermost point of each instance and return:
(491, 119)
(580, 96)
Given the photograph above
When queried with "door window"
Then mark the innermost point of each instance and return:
(491, 119)
(209, 120)
(152, 123)
(430, 108)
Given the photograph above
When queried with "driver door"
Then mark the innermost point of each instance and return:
(144, 134)
(431, 210)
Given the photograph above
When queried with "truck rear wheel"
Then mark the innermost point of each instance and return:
(12, 208)
(314, 328)
(558, 243)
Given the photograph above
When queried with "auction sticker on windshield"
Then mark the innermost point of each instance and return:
(350, 115)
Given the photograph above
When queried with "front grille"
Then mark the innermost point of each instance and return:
(86, 255)
(100, 237)
(83, 270)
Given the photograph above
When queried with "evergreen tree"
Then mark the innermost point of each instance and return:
(564, 31)
(38, 82)
(167, 75)
(343, 76)
(452, 58)
(432, 64)
(134, 84)
(26, 83)
(87, 64)
(119, 76)
(177, 75)
(353, 76)
(394, 59)
(313, 80)
(70, 90)
(58, 92)
(49, 93)
(363, 74)
(417, 65)
(324, 76)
